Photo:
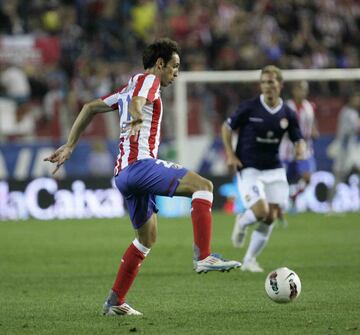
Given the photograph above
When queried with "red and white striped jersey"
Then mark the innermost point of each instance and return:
(146, 144)
(306, 117)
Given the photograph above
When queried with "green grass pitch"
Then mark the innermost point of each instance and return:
(55, 275)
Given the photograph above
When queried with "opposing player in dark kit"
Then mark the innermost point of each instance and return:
(261, 123)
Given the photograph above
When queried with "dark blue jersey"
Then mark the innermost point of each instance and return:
(260, 131)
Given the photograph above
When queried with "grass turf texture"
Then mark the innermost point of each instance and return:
(55, 275)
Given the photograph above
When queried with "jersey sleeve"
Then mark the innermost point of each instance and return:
(239, 117)
(147, 87)
(294, 130)
(112, 99)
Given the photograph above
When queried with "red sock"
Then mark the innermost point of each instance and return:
(128, 270)
(202, 223)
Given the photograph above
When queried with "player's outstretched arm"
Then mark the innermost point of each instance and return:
(85, 116)
(232, 161)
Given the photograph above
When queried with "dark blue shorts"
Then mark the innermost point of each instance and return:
(292, 169)
(141, 181)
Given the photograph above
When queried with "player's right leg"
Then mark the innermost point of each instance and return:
(201, 191)
(251, 192)
(130, 264)
(259, 237)
(142, 211)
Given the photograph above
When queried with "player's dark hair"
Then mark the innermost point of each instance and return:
(163, 48)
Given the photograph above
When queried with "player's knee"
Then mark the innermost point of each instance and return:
(192, 183)
(271, 217)
(148, 241)
(206, 185)
(202, 184)
(262, 212)
(148, 233)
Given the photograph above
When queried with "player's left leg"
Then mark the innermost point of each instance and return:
(259, 238)
(201, 192)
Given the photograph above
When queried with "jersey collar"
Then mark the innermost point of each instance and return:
(268, 108)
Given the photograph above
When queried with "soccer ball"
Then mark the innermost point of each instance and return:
(282, 285)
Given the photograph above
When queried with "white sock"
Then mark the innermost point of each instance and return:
(246, 219)
(141, 247)
(258, 240)
(204, 195)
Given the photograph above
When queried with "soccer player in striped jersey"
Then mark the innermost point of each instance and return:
(305, 112)
(299, 172)
(261, 123)
(140, 176)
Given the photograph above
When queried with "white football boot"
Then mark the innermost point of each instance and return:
(111, 307)
(214, 262)
(123, 309)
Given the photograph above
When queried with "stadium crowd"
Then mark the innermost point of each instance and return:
(101, 41)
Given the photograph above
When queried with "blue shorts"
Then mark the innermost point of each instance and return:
(292, 170)
(141, 181)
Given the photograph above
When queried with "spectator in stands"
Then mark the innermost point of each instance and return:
(215, 35)
(10, 20)
(15, 122)
(15, 83)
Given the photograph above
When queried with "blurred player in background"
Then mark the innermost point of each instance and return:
(140, 176)
(261, 123)
(344, 149)
(299, 172)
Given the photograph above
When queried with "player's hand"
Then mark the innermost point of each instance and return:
(132, 127)
(59, 157)
(233, 163)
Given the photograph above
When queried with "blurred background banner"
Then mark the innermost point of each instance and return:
(45, 198)
(29, 49)
(48, 199)
(57, 55)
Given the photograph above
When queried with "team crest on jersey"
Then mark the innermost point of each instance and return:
(247, 197)
(284, 123)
